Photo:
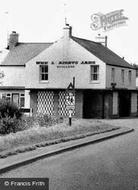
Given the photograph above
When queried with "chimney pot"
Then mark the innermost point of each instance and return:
(13, 40)
(67, 31)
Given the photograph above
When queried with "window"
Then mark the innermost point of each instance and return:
(94, 72)
(22, 100)
(44, 72)
(4, 96)
(8, 97)
(123, 75)
(113, 75)
(15, 98)
(129, 76)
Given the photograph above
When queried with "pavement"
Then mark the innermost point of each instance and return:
(22, 159)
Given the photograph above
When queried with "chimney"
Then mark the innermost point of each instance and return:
(67, 31)
(13, 40)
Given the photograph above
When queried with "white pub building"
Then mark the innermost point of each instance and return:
(36, 76)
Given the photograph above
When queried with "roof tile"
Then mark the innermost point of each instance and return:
(23, 52)
(103, 53)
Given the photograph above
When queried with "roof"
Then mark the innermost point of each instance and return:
(103, 53)
(23, 52)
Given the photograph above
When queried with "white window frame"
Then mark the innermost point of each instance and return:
(45, 73)
(9, 97)
(94, 73)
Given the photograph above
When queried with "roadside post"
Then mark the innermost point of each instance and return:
(70, 100)
(70, 117)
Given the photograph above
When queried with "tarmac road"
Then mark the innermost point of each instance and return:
(107, 165)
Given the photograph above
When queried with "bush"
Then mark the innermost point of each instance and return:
(44, 120)
(9, 109)
(10, 116)
(12, 120)
(26, 122)
(8, 125)
(40, 120)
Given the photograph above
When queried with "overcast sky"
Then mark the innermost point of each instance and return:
(43, 20)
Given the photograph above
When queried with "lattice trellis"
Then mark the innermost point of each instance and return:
(45, 102)
(63, 111)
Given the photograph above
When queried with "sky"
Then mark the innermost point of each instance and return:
(43, 21)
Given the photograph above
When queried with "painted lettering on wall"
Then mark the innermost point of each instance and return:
(88, 62)
(71, 64)
(66, 64)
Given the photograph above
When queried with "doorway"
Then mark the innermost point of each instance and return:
(92, 104)
(124, 103)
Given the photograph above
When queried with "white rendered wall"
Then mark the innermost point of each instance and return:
(118, 78)
(65, 50)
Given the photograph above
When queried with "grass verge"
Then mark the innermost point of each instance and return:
(35, 137)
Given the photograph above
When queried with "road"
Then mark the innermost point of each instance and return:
(107, 165)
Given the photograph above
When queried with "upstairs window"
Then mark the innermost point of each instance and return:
(129, 76)
(113, 75)
(43, 72)
(123, 75)
(94, 72)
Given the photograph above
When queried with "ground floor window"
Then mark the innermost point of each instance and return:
(17, 98)
(22, 100)
(6, 96)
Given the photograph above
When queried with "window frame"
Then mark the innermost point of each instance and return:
(123, 76)
(44, 73)
(130, 76)
(9, 97)
(113, 74)
(94, 74)
(22, 96)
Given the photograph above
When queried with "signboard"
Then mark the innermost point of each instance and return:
(70, 100)
(70, 97)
